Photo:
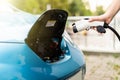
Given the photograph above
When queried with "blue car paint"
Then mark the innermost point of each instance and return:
(19, 62)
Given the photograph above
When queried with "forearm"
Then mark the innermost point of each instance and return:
(114, 7)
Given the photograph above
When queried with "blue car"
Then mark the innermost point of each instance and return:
(38, 48)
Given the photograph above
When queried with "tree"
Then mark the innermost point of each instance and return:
(99, 10)
(77, 7)
(73, 7)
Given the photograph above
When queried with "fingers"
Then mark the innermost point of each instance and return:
(92, 19)
(96, 18)
(103, 18)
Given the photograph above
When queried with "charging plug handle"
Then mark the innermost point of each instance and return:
(112, 29)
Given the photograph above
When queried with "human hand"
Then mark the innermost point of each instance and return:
(105, 18)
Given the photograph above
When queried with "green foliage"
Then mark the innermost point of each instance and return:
(99, 10)
(78, 7)
(73, 7)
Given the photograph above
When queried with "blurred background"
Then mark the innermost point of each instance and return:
(102, 51)
(78, 9)
(73, 7)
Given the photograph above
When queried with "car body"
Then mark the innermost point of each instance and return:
(38, 48)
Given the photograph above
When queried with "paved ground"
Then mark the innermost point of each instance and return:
(99, 66)
(102, 67)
